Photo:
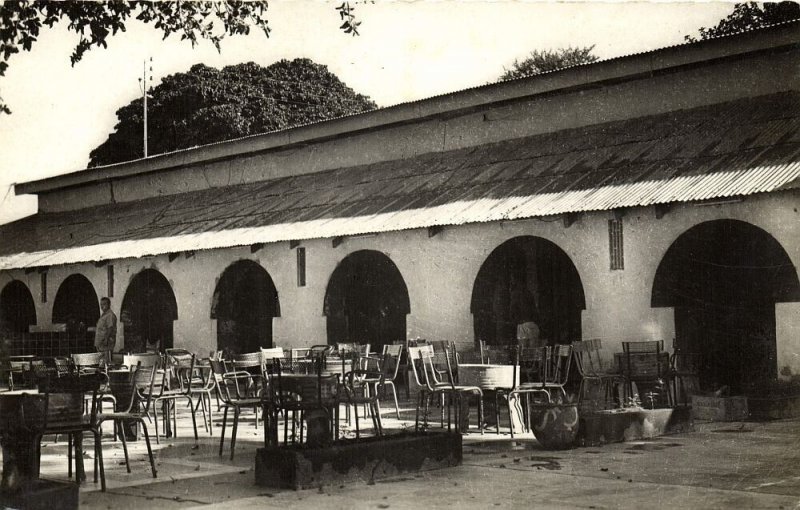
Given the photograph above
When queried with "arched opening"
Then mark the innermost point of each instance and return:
(147, 312)
(366, 301)
(245, 301)
(723, 278)
(76, 304)
(527, 278)
(17, 311)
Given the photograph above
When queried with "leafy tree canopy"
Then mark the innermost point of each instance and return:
(207, 105)
(94, 22)
(542, 61)
(749, 16)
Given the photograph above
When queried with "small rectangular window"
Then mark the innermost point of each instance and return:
(615, 244)
(301, 266)
(43, 277)
(110, 272)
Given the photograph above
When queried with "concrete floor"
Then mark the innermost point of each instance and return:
(720, 465)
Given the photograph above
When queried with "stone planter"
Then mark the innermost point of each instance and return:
(555, 425)
(616, 426)
(42, 495)
(360, 460)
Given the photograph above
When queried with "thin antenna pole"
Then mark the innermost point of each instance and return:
(144, 103)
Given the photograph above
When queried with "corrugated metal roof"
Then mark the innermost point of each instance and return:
(730, 149)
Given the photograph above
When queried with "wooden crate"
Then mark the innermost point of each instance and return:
(719, 408)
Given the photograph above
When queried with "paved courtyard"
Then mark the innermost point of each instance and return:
(720, 465)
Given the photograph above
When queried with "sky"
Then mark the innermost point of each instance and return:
(407, 50)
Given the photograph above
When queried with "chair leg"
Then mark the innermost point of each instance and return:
(394, 394)
(222, 434)
(69, 455)
(98, 453)
(236, 412)
(124, 443)
(510, 418)
(355, 411)
(149, 449)
(194, 419)
(497, 411)
(480, 414)
(155, 422)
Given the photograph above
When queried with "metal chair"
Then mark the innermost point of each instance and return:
(234, 390)
(358, 390)
(684, 375)
(64, 414)
(426, 376)
(647, 365)
(141, 378)
(591, 368)
(297, 395)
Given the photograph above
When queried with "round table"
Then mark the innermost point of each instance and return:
(490, 378)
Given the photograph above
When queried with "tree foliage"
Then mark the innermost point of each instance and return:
(542, 61)
(207, 105)
(22, 21)
(749, 16)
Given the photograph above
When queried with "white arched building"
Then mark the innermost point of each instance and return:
(652, 196)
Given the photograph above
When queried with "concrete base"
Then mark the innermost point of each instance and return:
(774, 408)
(603, 427)
(42, 495)
(719, 408)
(363, 460)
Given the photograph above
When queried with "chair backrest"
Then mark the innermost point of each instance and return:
(390, 362)
(421, 359)
(88, 360)
(247, 360)
(533, 364)
(271, 354)
(648, 346)
(415, 359)
(559, 365)
(587, 358)
(181, 365)
(143, 360)
(644, 360)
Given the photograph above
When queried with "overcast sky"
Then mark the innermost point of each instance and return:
(406, 51)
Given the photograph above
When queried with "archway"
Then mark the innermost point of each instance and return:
(245, 301)
(538, 269)
(723, 278)
(76, 304)
(17, 311)
(366, 301)
(147, 312)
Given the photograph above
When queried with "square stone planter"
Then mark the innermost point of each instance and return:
(603, 427)
(42, 495)
(719, 408)
(357, 460)
(774, 408)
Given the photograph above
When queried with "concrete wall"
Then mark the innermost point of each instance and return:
(686, 88)
(440, 272)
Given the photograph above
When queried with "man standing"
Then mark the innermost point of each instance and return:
(105, 335)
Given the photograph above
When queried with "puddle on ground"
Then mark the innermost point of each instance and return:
(649, 447)
(548, 463)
